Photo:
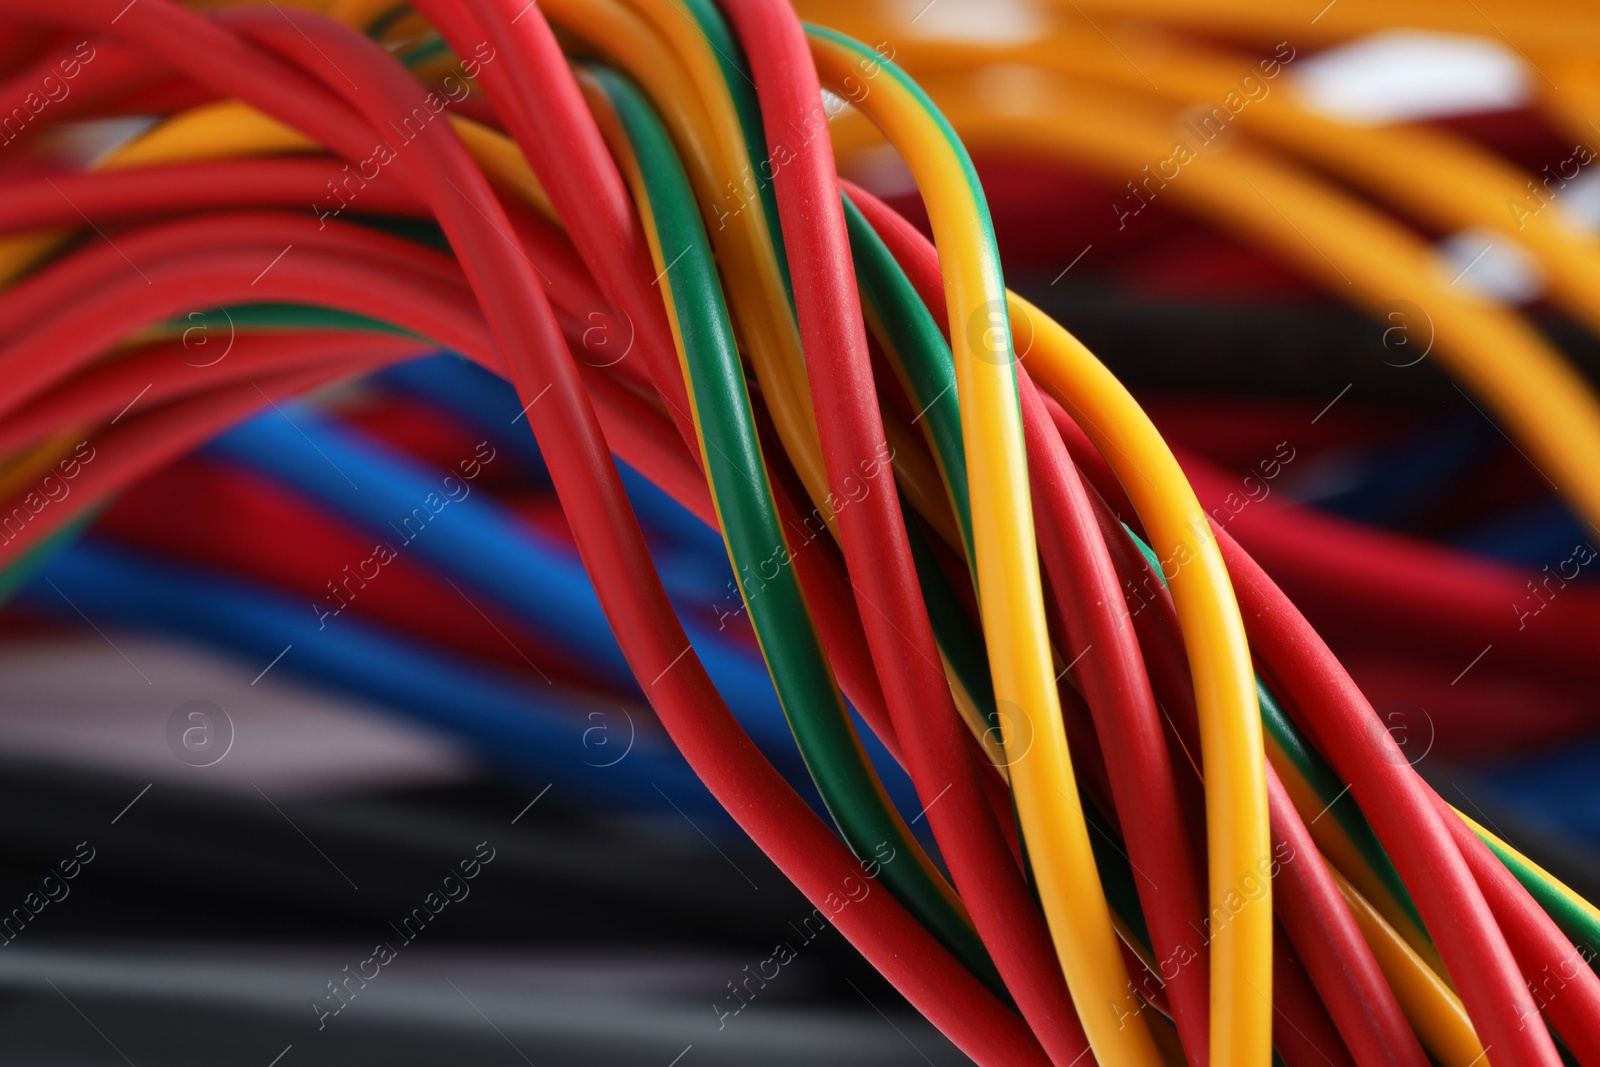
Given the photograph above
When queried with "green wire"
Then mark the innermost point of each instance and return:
(988, 248)
(432, 47)
(1577, 923)
(886, 287)
(929, 371)
(16, 575)
(286, 317)
(778, 612)
(741, 89)
(1311, 766)
(934, 386)
(381, 24)
(912, 340)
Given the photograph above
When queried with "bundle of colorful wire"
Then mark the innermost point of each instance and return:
(1166, 825)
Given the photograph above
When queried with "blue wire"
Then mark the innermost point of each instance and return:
(477, 542)
(543, 584)
(1544, 532)
(1555, 789)
(475, 396)
(1396, 481)
(490, 403)
(531, 731)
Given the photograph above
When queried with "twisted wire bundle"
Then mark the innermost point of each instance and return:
(1166, 825)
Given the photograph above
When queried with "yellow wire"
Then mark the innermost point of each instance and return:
(1043, 783)
(1355, 252)
(360, 13)
(230, 129)
(688, 92)
(1213, 633)
(1438, 178)
(1335, 843)
(1552, 26)
(1433, 1009)
(1573, 102)
(225, 129)
(1555, 883)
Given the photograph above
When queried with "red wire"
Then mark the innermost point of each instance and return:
(57, 198)
(1111, 671)
(271, 233)
(1400, 807)
(169, 370)
(1548, 960)
(254, 528)
(608, 535)
(60, 344)
(106, 388)
(1111, 668)
(1398, 588)
(545, 113)
(1336, 956)
(1303, 1034)
(872, 534)
(146, 442)
(114, 68)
